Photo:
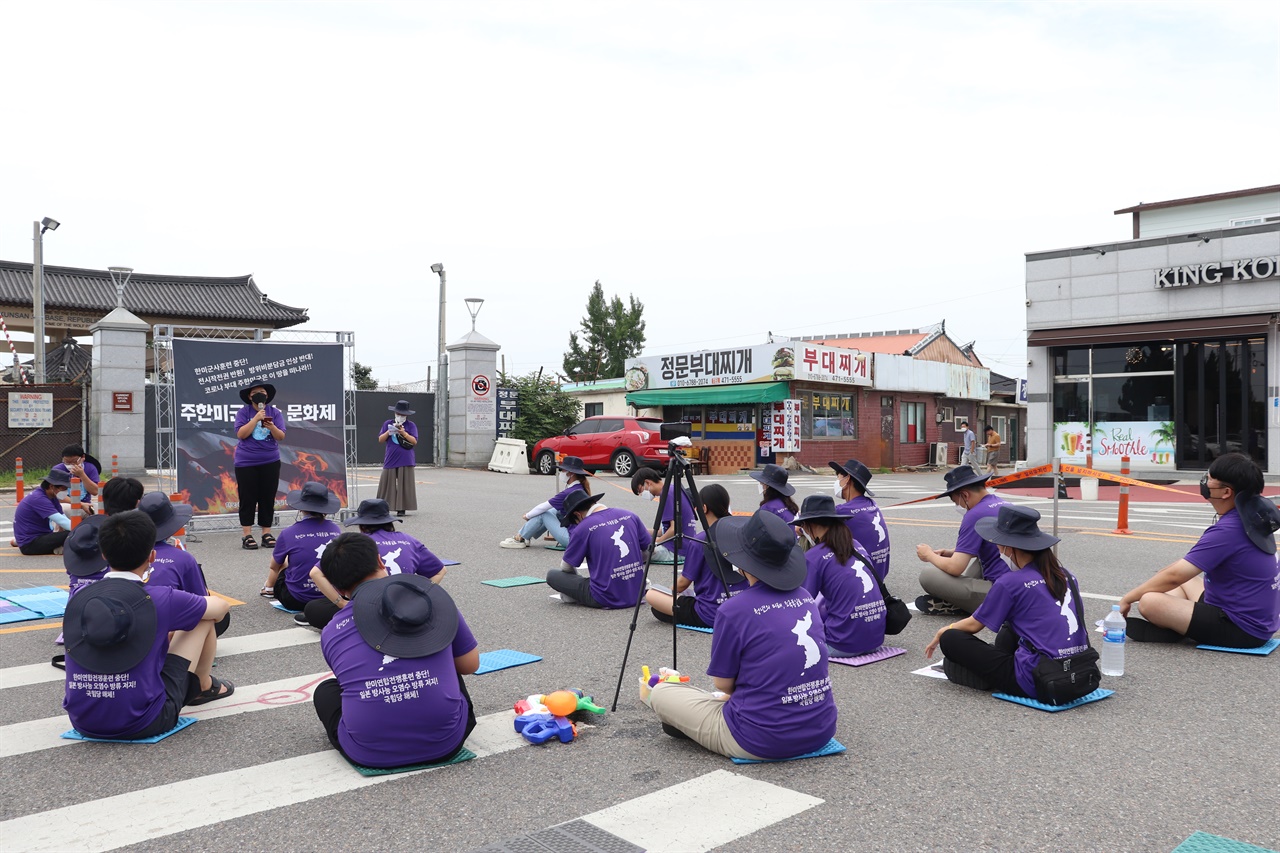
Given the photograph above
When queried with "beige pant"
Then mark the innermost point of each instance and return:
(696, 713)
(966, 591)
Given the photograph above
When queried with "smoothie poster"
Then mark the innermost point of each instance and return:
(207, 378)
(1148, 444)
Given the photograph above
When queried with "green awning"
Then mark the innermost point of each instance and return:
(746, 392)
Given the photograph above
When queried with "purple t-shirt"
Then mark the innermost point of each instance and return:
(255, 450)
(771, 644)
(176, 569)
(398, 455)
(119, 704)
(91, 474)
(298, 549)
(403, 554)
(707, 590)
(969, 542)
(688, 518)
(778, 508)
(75, 584)
(1239, 577)
(612, 541)
(557, 500)
(31, 518)
(1023, 599)
(869, 530)
(849, 600)
(396, 711)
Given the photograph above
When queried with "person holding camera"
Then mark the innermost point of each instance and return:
(400, 435)
(259, 428)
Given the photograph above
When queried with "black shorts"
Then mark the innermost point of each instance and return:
(180, 687)
(685, 614)
(1211, 626)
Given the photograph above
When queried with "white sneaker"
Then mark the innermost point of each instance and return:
(513, 542)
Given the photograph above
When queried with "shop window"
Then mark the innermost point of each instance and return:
(732, 419)
(1133, 358)
(1071, 401)
(591, 410)
(1071, 361)
(911, 424)
(828, 415)
(948, 414)
(1132, 398)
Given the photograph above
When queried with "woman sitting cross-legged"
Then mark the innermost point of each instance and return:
(545, 517)
(699, 609)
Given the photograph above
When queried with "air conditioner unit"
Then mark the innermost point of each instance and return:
(938, 454)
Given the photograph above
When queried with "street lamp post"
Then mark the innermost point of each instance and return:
(474, 304)
(120, 278)
(442, 380)
(37, 294)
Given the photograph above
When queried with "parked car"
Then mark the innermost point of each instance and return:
(606, 441)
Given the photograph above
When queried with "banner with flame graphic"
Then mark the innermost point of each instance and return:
(207, 379)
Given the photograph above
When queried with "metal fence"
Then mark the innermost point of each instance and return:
(42, 448)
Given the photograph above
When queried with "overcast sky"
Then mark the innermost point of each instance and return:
(742, 168)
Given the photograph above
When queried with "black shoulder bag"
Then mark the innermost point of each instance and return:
(897, 614)
(1062, 680)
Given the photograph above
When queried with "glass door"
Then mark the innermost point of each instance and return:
(1222, 404)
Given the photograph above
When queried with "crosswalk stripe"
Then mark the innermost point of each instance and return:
(41, 673)
(719, 795)
(38, 735)
(207, 800)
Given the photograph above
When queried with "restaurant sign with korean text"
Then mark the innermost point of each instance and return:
(786, 361)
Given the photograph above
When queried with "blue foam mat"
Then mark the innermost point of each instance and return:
(278, 606)
(833, 747)
(1264, 649)
(10, 612)
(1095, 696)
(450, 562)
(48, 601)
(1204, 842)
(183, 722)
(503, 659)
(697, 628)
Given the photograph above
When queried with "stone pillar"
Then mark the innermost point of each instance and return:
(119, 366)
(473, 406)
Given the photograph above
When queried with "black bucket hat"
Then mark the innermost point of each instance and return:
(169, 517)
(314, 497)
(1017, 526)
(1261, 520)
(764, 546)
(265, 386)
(964, 475)
(775, 477)
(81, 554)
(58, 477)
(405, 616)
(110, 625)
(821, 506)
(371, 513)
(572, 464)
(401, 408)
(856, 471)
(577, 500)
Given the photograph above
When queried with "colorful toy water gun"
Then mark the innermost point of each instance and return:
(540, 728)
(664, 674)
(542, 717)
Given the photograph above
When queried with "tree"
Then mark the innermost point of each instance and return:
(363, 377)
(545, 410)
(611, 333)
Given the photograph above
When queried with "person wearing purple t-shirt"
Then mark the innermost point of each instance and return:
(775, 492)
(545, 517)
(698, 571)
(173, 566)
(612, 542)
(398, 654)
(840, 580)
(259, 429)
(957, 579)
(39, 524)
(300, 546)
(865, 523)
(77, 464)
(650, 481)
(397, 485)
(127, 677)
(1032, 608)
(773, 694)
(1226, 590)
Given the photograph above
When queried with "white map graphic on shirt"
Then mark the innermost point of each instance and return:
(804, 641)
(861, 571)
(320, 550)
(389, 561)
(1069, 612)
(623, 550)
(386, 659)
(878, 524)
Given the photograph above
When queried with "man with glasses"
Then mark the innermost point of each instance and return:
(1226, 590)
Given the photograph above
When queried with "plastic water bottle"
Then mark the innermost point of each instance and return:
(1113, 642)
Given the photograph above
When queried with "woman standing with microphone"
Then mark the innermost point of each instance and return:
(260, 429)
(400, 435)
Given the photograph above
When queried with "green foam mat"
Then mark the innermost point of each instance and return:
(1203, 842)
(503, 583)
(463, 755)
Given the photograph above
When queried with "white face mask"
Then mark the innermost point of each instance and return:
(400, 419)
(1008, 561)
(805, 534)
(760, 488)
(961, 510)
(836, 488)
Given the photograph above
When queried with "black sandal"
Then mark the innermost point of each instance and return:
(249, 543)
(268, 541)
(214, 693)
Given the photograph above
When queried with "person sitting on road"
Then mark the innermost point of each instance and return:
(173, 566)
(1226, 590)
(127, 678)
(840, 580)
(300, 545)
(768, 658)
(648, 480)
(405, 633)
(775, 492)
(81, 555)
(77, 464)
(39, 524)
(1031, 607)
(398, 553)
(612, 542)
(698, 571)
(545, 517)
(957, 579)
(865, 522)
(121, 494)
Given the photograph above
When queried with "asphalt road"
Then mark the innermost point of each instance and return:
(1187, 742)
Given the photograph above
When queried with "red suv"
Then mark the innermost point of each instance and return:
(606, 441)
